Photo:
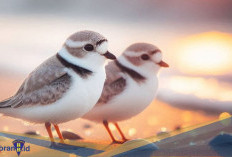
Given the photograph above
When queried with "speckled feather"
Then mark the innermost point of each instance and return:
(115, 83)
(87, 35)
(44, 85)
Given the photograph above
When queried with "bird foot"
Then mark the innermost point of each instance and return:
(62, 141)
(125, 140)
(56, 145)
(52, 145)
(117, 142)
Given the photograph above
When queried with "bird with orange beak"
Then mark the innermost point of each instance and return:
(130, 86)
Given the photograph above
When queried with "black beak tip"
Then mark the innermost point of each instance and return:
(109, 55)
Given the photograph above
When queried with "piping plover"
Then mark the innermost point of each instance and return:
(131, 85)
(64, 87)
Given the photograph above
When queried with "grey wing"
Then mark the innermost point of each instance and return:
(43, 86)
(115, 83)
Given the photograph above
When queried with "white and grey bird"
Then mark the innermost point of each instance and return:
(64, 87)
(131, 85)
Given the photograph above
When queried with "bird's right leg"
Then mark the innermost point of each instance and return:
(120, 132)
(59, 133)
(106, 124)
(49, 130)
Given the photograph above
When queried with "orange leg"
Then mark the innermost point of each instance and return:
(49, 130)
(106, 124)
(120, 132)
(59, 133)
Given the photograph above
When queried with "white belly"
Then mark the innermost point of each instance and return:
(129, 103)
(78, 100)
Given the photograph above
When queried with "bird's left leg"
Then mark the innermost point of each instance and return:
(49, 130)
(114, 141)
(59, 133)
(120, 132)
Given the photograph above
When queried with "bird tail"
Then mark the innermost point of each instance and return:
(4, 103)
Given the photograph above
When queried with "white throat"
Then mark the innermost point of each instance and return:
(92, 61)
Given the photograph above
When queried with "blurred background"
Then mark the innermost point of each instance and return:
(195, 37)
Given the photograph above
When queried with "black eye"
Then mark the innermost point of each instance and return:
(89, 47)
(145, 57)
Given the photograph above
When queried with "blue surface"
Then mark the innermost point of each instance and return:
(143, 151)
(222, 144)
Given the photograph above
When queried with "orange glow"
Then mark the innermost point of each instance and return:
(152, 120)
(5, 128)
(206, 53)
(186, 116)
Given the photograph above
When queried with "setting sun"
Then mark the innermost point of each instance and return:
(206, 53)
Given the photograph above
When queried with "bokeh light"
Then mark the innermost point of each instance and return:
(201, 87)
(206, 54)
(132, 132)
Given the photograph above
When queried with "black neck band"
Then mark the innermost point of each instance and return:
(135, 75)
(79, 70)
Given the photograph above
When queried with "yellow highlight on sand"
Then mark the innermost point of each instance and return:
(225, 118)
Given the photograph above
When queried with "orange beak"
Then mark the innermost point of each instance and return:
(163, 64)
